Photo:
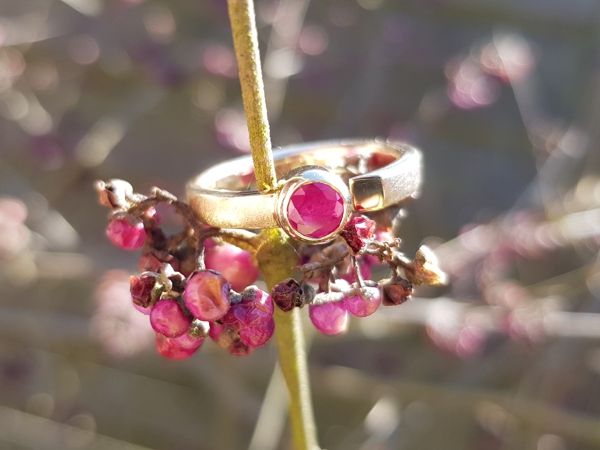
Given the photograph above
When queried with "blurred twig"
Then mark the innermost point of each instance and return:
(28, 431)
(547, 417)
(271, 419)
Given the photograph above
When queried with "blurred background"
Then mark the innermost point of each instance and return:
(504, 99)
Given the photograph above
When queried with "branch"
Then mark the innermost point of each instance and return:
(276, 256)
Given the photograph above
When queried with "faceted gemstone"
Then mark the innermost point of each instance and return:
(315, 210)
(329, 318)
(206, 295)
(180, 347)
(364, 303)
(236, 265)
(141, 290)
(127, 233)
(358, 231)
(168, 318)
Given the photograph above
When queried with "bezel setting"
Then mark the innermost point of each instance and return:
(304, 176)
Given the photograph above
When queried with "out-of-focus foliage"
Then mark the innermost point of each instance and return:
(501, 96)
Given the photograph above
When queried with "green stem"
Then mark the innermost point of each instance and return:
(276, 256)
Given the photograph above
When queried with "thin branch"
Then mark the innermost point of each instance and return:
(276, 256)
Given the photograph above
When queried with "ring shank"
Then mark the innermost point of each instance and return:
(221, 197)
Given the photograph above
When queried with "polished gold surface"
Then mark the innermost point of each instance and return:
(390, 184)
(225, 196)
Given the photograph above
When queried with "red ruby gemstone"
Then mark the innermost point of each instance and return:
(315, 210)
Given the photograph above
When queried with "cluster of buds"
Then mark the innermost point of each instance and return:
(335, 281)
(185, 298)
(192, 285)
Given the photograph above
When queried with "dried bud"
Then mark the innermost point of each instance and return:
(141, 289)
(114, 193)
(425, 269)
(287, 294)
(357, 231)
(396, 291)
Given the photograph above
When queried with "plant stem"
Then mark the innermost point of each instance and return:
(245, 41)
(276, 256)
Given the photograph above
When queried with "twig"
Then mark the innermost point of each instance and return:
(276, 256)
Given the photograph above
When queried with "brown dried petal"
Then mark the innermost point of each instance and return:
(426, 268)
(141, 289)
(396, 291)
(287, 294)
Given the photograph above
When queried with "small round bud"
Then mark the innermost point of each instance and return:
(364, 303)
(141, 290)
(236, 265)
(206, 295)
(126, 232)
(396, 291)
(252, 317)
(168, 318)
(329, 318)
(181, 347)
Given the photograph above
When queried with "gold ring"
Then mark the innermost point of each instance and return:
(321, 184)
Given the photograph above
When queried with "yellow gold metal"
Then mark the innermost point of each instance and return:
(367, 194)
(221, 199)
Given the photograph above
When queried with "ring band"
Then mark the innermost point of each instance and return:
(328, 174)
